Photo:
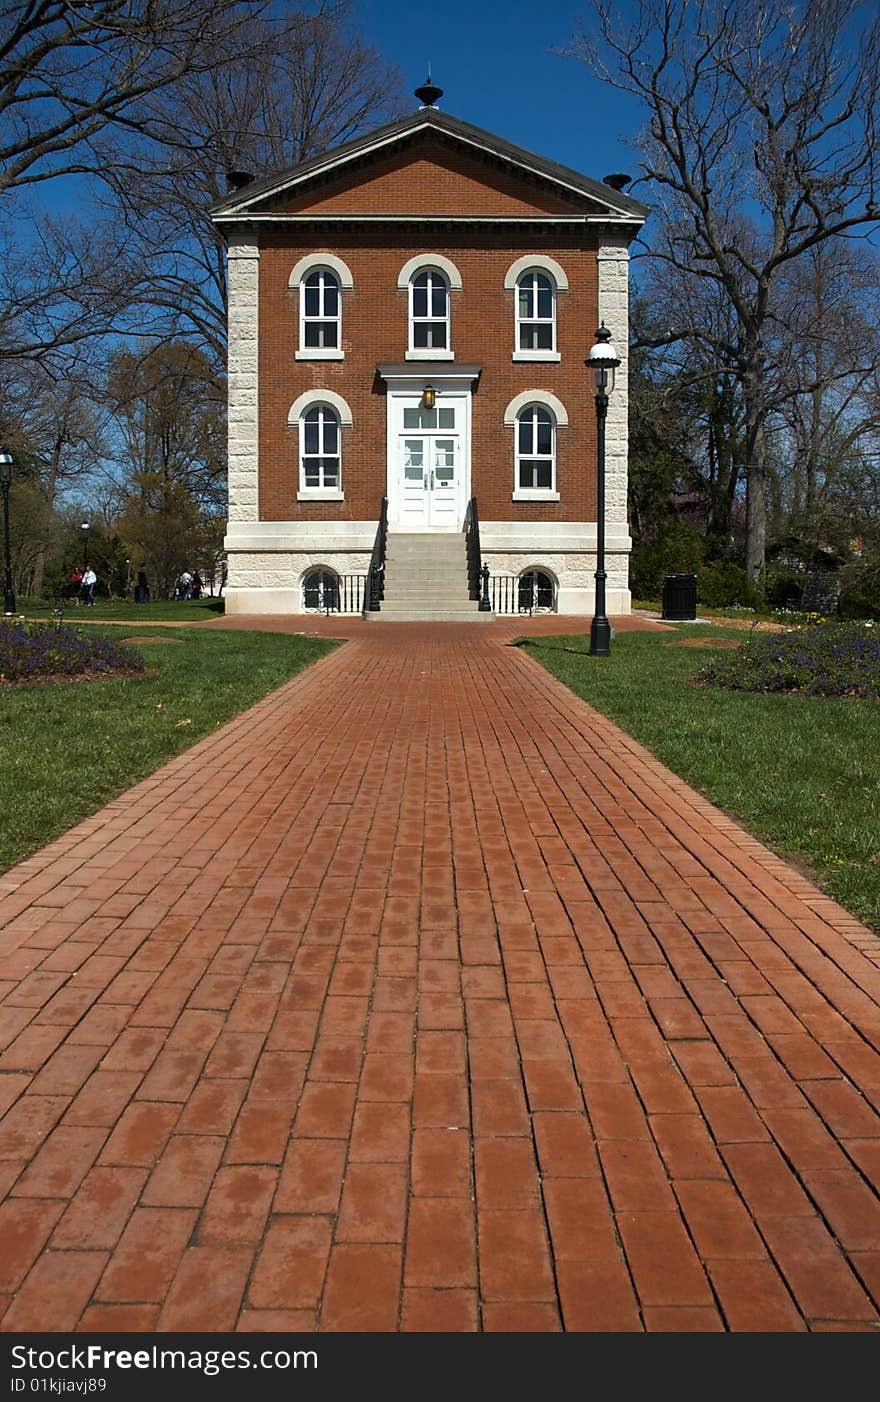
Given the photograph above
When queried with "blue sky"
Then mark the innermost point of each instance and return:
(496, 66)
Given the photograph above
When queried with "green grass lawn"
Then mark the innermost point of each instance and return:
(125, 610)
(67, 749)
(800, 772)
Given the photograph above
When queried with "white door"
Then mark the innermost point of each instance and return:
(443, 489)
(430, 468)
(416, 479)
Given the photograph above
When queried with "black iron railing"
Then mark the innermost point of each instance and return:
(478, 573)
(375, 592)
(352, 591)
(335, 593)
(515, 593)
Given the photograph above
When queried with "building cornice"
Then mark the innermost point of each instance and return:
(433, 219)
(451, 131)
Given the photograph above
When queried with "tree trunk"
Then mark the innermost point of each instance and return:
(51, 492)
(756, 463)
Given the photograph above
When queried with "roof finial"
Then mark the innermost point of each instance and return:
(428, 93)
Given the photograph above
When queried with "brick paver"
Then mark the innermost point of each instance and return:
(420, 997)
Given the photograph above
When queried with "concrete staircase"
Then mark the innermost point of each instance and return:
(426, 578)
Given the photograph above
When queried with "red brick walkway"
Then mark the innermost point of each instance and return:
(421, 998)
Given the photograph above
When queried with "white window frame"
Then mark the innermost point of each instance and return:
(535, 263)
(326, 263)
(527, 281)
(306, 352)
(429, 263)
(321, 490)
(521, 493)
(325, 399)
(535, 399)
(437, 278)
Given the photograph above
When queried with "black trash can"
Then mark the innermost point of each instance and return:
(679, 596)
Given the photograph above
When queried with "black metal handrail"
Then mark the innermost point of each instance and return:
(472, 546)
(376, 579)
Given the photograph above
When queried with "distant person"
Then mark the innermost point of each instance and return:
(142, 588)
(89, 580)
(197, 586)
(76, 579)
(184, 585)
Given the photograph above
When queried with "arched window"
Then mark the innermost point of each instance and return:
(320, 311)
(535, 311)
(321, 591)
(429, 311)
(320, 452)
(536, 592)
(535, 450)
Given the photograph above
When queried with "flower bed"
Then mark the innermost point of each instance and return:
(834, 659)
(31, 652)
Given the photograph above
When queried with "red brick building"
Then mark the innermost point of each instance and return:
(409, 317)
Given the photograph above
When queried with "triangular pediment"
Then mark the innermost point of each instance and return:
(430, 165)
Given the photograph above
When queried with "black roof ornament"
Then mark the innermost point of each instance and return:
(428, 93)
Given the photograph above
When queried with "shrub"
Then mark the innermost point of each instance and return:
(31, 652)
(832, 659)
(783, 588)
(678, 549)
(857, 605)
(721, 583)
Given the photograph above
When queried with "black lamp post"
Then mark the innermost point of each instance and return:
(603, 360)
(85, 531)
(5, 483)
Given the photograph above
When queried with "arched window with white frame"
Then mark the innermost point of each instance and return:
(536, 592)
(535, 450)
(320, 451)
(535, 311)
(320, 591)
(320, 311)
(320, 281)
(429, 328)
(536, 282)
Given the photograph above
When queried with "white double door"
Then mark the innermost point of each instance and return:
(429, 467)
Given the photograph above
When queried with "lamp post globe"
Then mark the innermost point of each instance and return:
(85, 531)
(5, 484)
(602, 361)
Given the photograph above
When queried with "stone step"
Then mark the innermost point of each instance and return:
(426, 581)
(387, 615)
(437, 562)
(418, 591)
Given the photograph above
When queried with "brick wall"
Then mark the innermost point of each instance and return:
(423, 177)
(375, 330)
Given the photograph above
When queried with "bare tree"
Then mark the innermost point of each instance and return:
(71, 68)
(760, 145)
(308, 83)
(171, 429)
(64, 284)
(54, 429)
(827, 348)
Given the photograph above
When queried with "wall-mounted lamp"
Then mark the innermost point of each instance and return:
(429, 397)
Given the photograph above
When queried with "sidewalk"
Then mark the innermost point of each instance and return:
(419, 997)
